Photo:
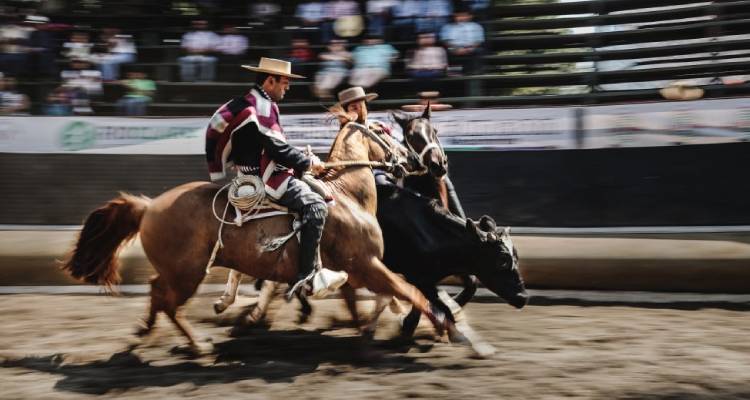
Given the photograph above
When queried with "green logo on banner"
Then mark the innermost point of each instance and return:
(78, 135)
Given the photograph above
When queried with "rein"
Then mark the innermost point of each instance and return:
(374, 164)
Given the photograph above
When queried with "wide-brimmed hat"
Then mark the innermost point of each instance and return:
(430, 97)
(355, 93)
(681, 90)
(273, 66)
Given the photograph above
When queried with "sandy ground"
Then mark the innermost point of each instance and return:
(70, 347)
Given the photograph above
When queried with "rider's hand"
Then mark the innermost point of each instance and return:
(316, 166)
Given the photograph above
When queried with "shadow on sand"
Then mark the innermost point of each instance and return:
(273, 356)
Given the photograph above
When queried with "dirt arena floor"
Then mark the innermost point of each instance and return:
(71, 347)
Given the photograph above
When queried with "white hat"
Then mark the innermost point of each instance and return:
(273, 66)
(355, 93)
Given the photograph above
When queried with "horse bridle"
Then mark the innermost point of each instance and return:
(392, 159)
(420, 156)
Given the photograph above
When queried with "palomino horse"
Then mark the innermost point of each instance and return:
(178, 231)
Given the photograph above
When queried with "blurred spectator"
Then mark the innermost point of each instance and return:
(311, 13)
(405, 13)
(81, 83)
(265, 12)
(119, 49)
(11, 101)
(372, 62)
(378, 15)
(78, 47)
(41, 47)
(477, 7)
(233, 44)
(433, 15)
(301, 55)
(427, 62)
(464, 39)
(199, 64)
(14, 46)
(58, 103)
(301, 52)
(334, 69)
(335, 10)
(139, 93)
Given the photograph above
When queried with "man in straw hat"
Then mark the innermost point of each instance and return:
(246, 132)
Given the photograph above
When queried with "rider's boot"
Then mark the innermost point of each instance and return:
(313, 280)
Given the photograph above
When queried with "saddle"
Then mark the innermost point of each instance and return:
(247, 194)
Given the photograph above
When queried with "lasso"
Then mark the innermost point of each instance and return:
(254, 193)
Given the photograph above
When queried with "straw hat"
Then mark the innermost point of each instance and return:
(425, 97)
(273, 66)
(355, 93)
(681, 90)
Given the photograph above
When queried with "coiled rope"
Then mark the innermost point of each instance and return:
(253, 195)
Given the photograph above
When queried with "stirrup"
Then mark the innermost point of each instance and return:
(293, 289)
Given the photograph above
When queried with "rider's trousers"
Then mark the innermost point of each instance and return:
(313, 210)
(454, 204)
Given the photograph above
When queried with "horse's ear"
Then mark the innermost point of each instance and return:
(427, 111)
(400, 118)
(473, 229)
(487, 223)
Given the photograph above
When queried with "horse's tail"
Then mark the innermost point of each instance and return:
(94, 258)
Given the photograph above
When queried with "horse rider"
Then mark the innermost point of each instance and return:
(246, 133)
(352, 107)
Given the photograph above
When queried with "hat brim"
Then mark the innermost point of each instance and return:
(681, 93)
(421, 107)
(367, 98)
(272, 72)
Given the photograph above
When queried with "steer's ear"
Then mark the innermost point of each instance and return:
(473, 229)
(487, 223)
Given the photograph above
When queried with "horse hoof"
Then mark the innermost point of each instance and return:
(196, 349)
(220, 306)
(143, 330)
(409, 326)
(456, 336)
(368, 333)
(202, 348)
(484, 350)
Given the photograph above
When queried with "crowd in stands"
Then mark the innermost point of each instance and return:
(340, 42)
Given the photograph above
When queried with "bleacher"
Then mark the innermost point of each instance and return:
(545, 53)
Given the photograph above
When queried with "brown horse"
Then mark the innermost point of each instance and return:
(178, 232)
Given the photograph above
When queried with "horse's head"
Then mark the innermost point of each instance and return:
(420, 137)
(381, 147)
(498, 261)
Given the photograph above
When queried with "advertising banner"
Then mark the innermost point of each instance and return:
(628, 125)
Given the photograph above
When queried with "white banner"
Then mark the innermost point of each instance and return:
(470, 129)
(668, 123)
(642, 124)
